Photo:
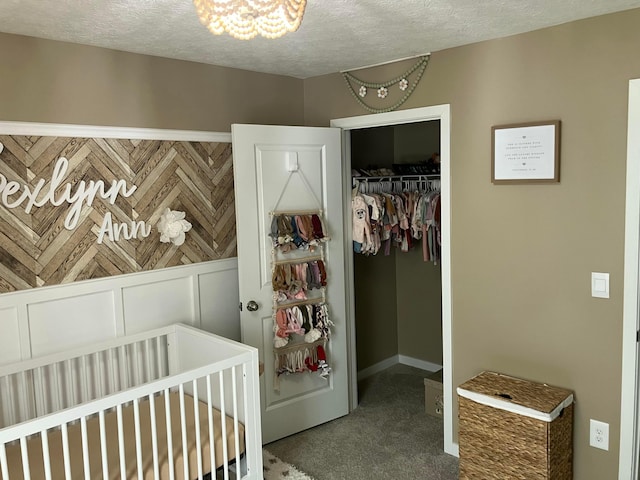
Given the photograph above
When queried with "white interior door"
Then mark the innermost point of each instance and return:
(290, 169)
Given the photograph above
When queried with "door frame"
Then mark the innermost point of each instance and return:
(441, 113)
(629, 417)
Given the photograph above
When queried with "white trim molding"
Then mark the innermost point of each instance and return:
(91, 131)
(395, 360)
(443, 114)
(629, 421)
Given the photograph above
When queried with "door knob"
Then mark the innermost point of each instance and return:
(252, 306)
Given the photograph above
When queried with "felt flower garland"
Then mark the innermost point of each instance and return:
(382, 89)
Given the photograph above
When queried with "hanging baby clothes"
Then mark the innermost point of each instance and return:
(311, 326)
(292, 281)
(386, 219)
(309, 321)
(291, 232)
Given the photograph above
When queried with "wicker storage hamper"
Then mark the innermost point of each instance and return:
(514, 429)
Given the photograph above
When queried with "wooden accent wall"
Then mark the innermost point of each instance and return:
(194, 177)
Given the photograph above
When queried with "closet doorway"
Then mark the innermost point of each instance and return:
(355, 129)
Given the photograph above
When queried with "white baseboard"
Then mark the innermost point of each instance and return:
(421, 364)
(394, 360)
(454, 449)
(378, 367)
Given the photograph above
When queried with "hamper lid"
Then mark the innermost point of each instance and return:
(531, 399)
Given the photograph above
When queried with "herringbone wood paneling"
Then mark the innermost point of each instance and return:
(195, 177)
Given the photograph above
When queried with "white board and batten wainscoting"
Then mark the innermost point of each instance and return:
(51, 319)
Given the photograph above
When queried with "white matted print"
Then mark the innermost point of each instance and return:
(526, 153)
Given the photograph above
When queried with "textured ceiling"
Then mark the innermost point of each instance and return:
(335, 34)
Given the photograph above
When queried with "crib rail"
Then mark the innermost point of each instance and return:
(38, 388)
(157, 395)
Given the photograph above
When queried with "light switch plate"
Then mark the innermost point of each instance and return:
(599, 285)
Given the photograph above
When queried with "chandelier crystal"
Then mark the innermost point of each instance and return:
(244, 19)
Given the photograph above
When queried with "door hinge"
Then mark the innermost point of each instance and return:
(638, 336)
(240, 306)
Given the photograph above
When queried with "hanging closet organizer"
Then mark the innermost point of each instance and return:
(301, 322)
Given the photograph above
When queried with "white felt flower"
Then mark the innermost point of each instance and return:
(172, 227)
(382, 92)
(363, 91)
(403, 84)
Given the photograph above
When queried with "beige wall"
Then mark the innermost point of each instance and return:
(56, 82)
(522, 255)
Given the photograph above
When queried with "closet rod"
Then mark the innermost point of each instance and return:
(426, 176)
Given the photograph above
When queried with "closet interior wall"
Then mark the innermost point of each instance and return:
(397, 297)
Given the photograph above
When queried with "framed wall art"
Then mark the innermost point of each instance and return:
(526, 153)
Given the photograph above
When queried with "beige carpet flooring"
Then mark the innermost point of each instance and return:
(389, 436)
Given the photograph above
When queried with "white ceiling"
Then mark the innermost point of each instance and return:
(335, 34)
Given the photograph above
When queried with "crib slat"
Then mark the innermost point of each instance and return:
(38, 381)
(212, 443)
(159, 356)
(58, 386)
(236, 436)
(84, 379)
(250, 452)
(223, 427)
(85, 448)
(247, 449)
(45, 454)
(164, 352)
(196, 416)
(147, 351)
(183, 428)
(122, 357)
(123, 460)
(112, 370)
(65, 452)
(103, 447)
(136, 417)
(154, 436)
(99, 375)
(25, 458)
(24, 402)
(7, 402)
(51, 389)
(138, 363)
(3, 461)
(69, 376)
(167, 410)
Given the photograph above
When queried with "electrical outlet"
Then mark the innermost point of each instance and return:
(599, 434)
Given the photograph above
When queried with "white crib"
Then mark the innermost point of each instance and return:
(173, 403)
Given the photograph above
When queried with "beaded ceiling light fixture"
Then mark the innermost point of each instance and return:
(244, 19)
(406, 84)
